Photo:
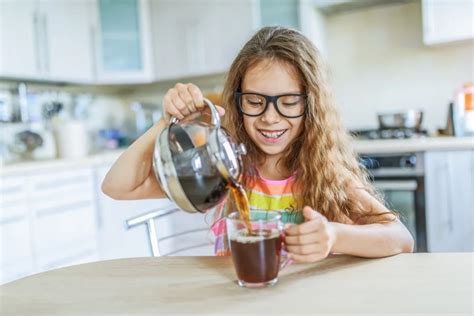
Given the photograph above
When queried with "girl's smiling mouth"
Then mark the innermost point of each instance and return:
(272, 135)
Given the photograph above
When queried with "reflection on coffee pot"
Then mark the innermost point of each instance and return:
(195, 161)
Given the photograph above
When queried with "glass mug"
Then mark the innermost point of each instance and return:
(257, 257)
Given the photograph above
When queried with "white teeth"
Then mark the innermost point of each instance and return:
(272, 134)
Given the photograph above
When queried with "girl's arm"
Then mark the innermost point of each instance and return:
(316, 238)
(131, 176)
(372, 240)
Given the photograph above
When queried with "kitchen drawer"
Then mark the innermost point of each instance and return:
(22, 267)
(12, 190)
(72, 191)
(74, 253)
(62, 198)
(13, 209)
(63, 224)
(15, 241)
(58, 179)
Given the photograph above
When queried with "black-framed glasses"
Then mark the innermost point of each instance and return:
(290, 105)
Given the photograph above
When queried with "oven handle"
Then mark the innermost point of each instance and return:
(396, 185)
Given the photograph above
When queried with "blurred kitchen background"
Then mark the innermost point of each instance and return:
(82, 79)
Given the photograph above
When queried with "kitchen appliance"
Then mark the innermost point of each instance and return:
(410, 119)
(195, 161)
(400, 178)
(390, 133)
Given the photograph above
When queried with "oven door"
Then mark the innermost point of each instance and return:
(406, 196)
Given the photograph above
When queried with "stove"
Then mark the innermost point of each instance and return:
(397, 133)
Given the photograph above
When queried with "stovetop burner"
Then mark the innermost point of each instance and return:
(399, 133)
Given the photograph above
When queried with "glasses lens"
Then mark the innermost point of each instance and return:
(252, 104)
(291, 105)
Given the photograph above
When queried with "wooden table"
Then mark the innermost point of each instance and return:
(409, 283)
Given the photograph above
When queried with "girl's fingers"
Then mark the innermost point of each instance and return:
(301, 239)
(304, 228)
(196, 95)
(186, 97)
(181, 107)
(304, 249)
(221, 110)
(307, 258)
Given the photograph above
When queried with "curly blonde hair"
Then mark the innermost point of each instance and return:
(328, 165)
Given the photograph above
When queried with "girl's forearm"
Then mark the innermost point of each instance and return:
(372, 240)
(131, 176)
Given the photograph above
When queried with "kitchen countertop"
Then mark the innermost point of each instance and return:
(422, 283)
(414, 145)
(105, 157)
(361, 146)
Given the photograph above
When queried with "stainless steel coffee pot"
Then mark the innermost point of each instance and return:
(195, 161)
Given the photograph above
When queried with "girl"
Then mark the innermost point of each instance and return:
(299, 159)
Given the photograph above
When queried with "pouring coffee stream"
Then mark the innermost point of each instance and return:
(197, 163)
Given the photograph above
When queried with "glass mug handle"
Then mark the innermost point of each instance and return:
(285, 263)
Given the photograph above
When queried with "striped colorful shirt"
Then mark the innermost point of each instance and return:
(266, 194)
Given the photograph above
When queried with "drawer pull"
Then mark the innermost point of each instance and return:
(11, 220)
(63, 208)
(45, 185)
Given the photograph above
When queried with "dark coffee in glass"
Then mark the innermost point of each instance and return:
(256, 258)
(256, 252)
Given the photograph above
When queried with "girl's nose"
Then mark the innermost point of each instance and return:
(271, 115)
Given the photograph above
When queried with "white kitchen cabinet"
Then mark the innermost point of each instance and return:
(447, 21)
(124, 47)
(48, 219)
(62, 204)
(194, 38)
(67, 36)
(16, 259)
(449, 200)
(47, 40)
(19, 39)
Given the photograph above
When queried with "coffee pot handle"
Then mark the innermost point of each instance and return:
(215, 118)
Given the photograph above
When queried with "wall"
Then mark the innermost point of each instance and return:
(378, 63)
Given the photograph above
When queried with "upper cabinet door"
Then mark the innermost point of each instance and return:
(124, 52)
(193, 38)
(67, 35)
(19, 39)
(447, 21)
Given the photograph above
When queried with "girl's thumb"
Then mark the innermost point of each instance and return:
(221, 110)
(310, 214)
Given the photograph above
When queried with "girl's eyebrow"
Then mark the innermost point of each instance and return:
(254, 91)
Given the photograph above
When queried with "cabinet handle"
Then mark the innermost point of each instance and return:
(451, 183)
(93, 48)
(46, 56)
(37, 41)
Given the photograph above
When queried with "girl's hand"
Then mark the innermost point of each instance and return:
(182, 100)
(312, 240)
